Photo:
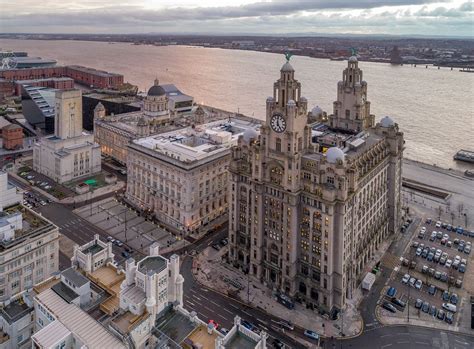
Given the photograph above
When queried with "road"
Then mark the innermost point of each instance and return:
(212, 305)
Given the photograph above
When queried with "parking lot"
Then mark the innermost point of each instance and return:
(125, 226)
(433, 271)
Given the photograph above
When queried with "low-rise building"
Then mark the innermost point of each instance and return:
(70, 153)
(180, 177)
(16, 323)
(12, 137)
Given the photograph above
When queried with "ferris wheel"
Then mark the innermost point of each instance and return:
(8, 60)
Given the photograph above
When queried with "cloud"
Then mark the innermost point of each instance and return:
(278, 16)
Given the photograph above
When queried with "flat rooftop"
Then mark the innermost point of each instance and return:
(93, 249)
(33, 225)
(155, 264)
(92, 71)
(125, 322)
(51, 334)
(175, 326)
(196, 143)
(15, 311)
(64, 292)
(201, 337)
(239, 341)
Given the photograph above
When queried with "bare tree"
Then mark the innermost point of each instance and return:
(460, 208)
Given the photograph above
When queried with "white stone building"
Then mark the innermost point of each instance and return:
(310, 204)
(28, 246)
(9, 194)
(181, 177)
(70, 153)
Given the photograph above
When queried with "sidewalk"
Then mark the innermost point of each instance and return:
(210, 270)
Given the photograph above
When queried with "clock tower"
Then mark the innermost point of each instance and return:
(285, 135)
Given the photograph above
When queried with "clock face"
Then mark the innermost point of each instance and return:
(278, 123)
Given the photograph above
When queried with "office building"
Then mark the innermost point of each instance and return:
(28, 244)
(70, 153)
(311, 203)
(181, 177)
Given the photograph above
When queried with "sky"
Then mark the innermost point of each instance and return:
(395, 17)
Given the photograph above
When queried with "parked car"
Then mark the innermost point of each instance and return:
(431, 271)
(454, 299)
(398, 302)
(438, 224)
(449, 244)
(311, 334)
(405, 278)
(440, 314)
(432, 289)
(456, 265)
(425, 269)
(430, 257)
(425, 307)
(449, 227)
(445, 296)
(433, 310)
(389, 307)
(448, 264)
(443, 241)
(449, 317)
(442, 260)
(391, 292)
(439, 235)
(458, 283)
(421, 235)
(412, 282)
(449, 307)
(216, 247)
(415, 244)
(418, 284)
(462, 268)
(213, 323)
(418, 251)
(125, 254)
(444, 277)
(467, 249)
(428, 221)
(437, 275)
(418, 303)
(456, 241)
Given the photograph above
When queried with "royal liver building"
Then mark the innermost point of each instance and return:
(312, 197)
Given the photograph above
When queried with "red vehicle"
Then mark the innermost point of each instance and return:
(213, 323)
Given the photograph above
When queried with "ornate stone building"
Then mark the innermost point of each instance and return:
(311, 202)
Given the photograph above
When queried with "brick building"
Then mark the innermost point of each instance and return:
(12, 137)
(61, 83)
(93, 77)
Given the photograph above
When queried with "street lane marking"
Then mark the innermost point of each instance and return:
(231, 313)
(386, 346)
(191, 303)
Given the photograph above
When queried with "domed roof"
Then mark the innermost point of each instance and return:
(387, 122)
(291, 102)
(287, 67)
(270, 99)
(303, 99)
(333, 154)
(156, 89)
(316, 110)
(250, 134)
(352, 59)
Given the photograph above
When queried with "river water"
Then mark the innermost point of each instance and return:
(434, 108)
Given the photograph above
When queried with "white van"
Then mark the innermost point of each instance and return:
(449, 307)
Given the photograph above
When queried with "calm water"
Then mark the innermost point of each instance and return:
(434, 108)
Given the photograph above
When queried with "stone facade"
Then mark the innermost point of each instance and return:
(181, 177)
(70, 153)
(308, 208)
